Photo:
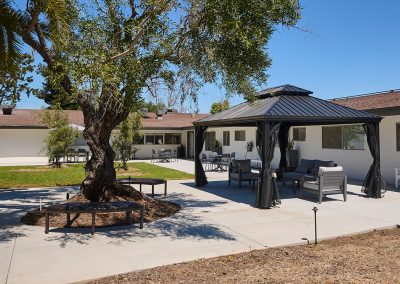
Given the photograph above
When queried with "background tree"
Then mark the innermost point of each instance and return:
(16, 81)
(126, 136)
(218, 107)
(61, 135)
(38, 24)
(115, 49)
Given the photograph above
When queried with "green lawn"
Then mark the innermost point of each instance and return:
(43, 176)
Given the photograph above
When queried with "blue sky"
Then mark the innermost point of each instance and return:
(352, 47)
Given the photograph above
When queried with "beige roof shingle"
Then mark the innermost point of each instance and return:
(374, 101)
(30, 118)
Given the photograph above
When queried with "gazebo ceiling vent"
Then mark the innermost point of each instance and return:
(283, 90)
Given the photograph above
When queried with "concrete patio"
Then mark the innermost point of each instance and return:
(214, 220)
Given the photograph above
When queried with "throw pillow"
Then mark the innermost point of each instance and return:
(301, 170)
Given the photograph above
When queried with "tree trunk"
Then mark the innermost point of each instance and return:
(100, 184)
(100, 172)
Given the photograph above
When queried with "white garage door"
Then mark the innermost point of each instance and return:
(22, 142)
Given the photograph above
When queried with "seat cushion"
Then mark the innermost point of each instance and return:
(298, 176)
(319, 163)
(308, 164)
(245, 176)
(330, 169)
(250, 176)
(301, 170)
(313, 185)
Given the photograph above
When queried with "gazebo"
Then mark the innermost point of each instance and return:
(273, 113)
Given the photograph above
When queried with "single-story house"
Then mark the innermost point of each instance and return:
(22, 133)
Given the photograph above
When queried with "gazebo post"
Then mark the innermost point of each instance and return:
(266, 191)
(199, 174)
(372, 182)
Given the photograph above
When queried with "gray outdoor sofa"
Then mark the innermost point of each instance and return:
(331, 180)
(318, 177)
(306, 171)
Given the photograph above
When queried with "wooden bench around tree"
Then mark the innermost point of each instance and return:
(146, 181)
(93, 208)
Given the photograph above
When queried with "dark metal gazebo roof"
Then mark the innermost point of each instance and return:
(283, 90)
(295, 108)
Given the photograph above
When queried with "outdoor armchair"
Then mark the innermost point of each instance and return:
(206, 161)
(154, 156)
(331, 180)
(240, 170)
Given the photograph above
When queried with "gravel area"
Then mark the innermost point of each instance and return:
(372, 257)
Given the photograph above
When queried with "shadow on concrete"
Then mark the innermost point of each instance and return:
(179, 226)
(16, 203)
(246, 195)
(186, 224)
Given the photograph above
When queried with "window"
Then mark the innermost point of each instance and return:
(210, 141)
(172, 138)
(154, 139)
(139, 140)
(398, 136)
(226, 141)
(299, 134)
(240, 135)
(349, 137)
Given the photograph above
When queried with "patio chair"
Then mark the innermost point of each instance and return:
(331, 180)
(82, 154)
(175, 155)
(167, 155)
(206, 161)
(240, 170)
(71, 155)
(154, 156)
(233, 154)
(225, 161)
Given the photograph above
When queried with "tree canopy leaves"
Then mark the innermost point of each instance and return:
(219, 106)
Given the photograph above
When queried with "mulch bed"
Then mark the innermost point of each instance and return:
(154, 209)
(365, 258)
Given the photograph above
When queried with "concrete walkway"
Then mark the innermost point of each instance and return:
(214, 220)
(23, 161)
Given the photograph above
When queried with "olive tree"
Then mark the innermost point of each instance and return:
(116, 49)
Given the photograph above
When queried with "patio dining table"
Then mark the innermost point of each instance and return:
(219, 163)
(165, 155)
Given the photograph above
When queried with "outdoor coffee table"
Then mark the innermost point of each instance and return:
(146, 181)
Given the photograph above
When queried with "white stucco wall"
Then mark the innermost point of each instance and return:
(355, 162)
(240, 146)
(22, 142)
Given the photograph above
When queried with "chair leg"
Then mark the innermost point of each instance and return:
(320, 197)
(240, 183)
